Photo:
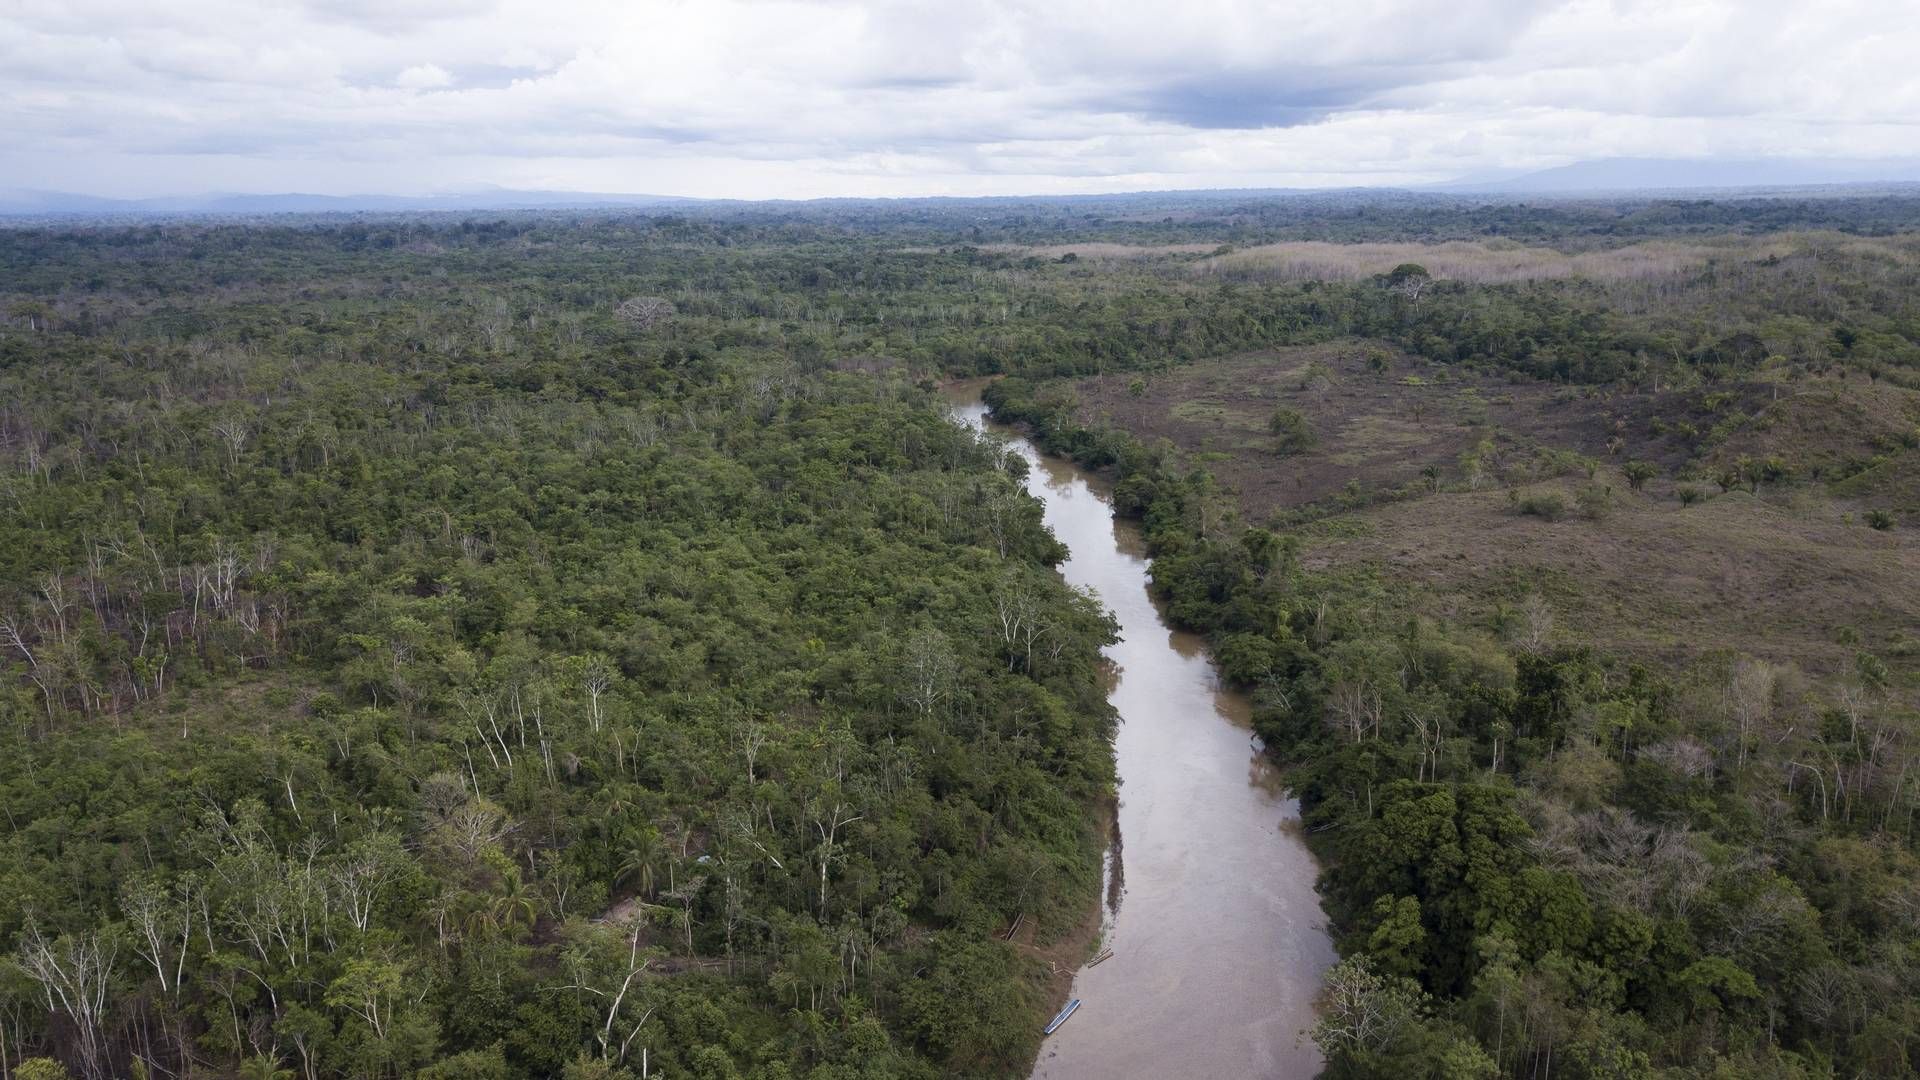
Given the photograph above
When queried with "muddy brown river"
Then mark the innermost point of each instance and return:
(1217, 935)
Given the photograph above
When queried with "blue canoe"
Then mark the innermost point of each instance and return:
(1061, 1018)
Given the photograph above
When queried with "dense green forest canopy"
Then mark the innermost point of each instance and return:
(521, 645)
(441, 671)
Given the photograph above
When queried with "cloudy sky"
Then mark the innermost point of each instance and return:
(747, 98)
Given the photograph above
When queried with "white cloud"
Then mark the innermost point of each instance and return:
(424, 77)
(813, 97)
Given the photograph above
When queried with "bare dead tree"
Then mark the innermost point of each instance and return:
(829, 821)
(929, 669)
(75, 973)
(1429, 721)
(597, 676)
(750, 737)
(1354, 705)
(1536, 624)
(10, 635)
(1750, 696)
(234, 431)
(645, 313)
(161, 917)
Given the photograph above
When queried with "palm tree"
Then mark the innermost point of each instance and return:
(518, 902)
(643, 861)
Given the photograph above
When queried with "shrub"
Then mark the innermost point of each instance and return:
(1291, 432)
(1638, 473)
(1690, 495)
(1596, 501)
(1880, 519)
(1548, 506)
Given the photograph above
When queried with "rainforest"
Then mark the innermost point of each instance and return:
(582, 644)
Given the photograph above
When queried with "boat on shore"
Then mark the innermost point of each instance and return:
(1061, 1017)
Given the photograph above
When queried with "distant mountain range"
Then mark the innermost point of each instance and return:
(1611, 176)
(55, 203)
(1667, 174)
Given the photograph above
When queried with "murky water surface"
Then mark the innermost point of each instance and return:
(1218, 938)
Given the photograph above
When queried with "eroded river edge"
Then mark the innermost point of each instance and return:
(1218, 938)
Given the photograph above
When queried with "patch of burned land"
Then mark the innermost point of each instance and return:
(1482, 489)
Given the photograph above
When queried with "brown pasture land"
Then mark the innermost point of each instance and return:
(1502, 261)
(1483, 263)
(1792, 574)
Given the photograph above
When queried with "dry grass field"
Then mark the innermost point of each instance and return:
(1495, 262)
(1786, 579)
(1793, 573)
(1501, 261)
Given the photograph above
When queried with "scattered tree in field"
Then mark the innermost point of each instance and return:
(1317, 378)
(1290, 430)
(1410, 280)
